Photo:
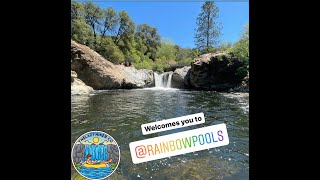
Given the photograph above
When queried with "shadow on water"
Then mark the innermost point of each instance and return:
(120, 113)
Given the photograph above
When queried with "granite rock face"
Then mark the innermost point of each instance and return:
(78, 87)
(93, 69)
(99, 73)
(181, 78)
(134, 78)
(244, 87)
(218, 72)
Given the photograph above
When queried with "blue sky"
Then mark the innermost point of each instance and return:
(177, 20)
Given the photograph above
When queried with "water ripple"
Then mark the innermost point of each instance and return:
(121, 113)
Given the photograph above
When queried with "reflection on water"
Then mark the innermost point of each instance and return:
(120, 113)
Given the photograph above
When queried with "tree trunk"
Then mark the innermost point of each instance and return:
(208, 29)
(95, 37)
(117, 39)
(102, 36)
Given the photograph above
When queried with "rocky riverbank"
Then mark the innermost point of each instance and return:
(78, 87)
(99, 73)
(181, 78)
(217, 72)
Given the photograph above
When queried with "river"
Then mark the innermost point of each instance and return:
(120, 113)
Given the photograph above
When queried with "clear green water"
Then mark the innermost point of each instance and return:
(120, 113)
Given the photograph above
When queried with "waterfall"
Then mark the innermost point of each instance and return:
(158, 80)
(163, 80)
(169, 80)
(98, 152)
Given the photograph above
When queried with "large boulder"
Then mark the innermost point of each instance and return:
(181, 78)
(78, 87)
(243, 87)
(99, 73)
(134, 78)
(93, 69)
(217, 72)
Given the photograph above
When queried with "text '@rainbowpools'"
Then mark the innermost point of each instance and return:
(179, 143)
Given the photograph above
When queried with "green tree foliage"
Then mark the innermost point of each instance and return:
(166, 55)
(125, 29)
(110, 19)
(92, 14)
(141, 60)
(110, 51)
(80, 31)
(195, 52)
(167, 50)
(185, 56)
(76, 10)
(124, 38)
(140, 45)
(114, 36)
(108, 23)
(208, 30)
(150, 39)
(241, 49)
(226, 46)
(144, 64)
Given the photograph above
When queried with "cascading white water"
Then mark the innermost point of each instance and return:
(158, 79)
(169, 80)
(163, 80)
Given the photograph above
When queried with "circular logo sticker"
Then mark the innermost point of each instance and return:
(95, 155)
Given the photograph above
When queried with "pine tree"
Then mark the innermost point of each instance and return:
(208, 30)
